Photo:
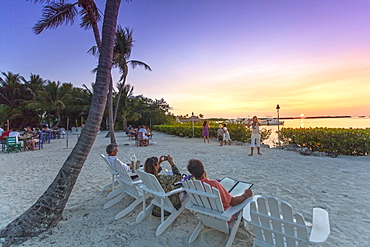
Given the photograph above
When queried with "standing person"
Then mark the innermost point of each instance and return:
(220, 135)
(153, 165)
(205, 131)
(226, 138)
(256, 136)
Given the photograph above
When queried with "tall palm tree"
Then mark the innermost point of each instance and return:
(60, 12)
(47, 210)
(122, 52)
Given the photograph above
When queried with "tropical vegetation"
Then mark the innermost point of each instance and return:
(342, 141)
(36, 101)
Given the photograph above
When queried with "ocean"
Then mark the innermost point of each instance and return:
(317, 122)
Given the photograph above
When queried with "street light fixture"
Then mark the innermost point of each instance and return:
(278, 112)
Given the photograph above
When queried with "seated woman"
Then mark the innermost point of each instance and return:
(153, 165)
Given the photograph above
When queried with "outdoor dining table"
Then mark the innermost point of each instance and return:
(24, 139)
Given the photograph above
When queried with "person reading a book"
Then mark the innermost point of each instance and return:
(196, 168)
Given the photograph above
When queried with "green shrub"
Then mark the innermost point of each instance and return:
(340, 140)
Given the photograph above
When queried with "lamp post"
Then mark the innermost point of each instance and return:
(278, 113)
(192, 119)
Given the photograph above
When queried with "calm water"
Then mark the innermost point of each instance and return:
(319, 122)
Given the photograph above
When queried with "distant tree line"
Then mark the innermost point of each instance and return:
(35, 101)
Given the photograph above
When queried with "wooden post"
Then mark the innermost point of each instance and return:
(67, 132)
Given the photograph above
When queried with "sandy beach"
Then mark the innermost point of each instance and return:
(339, 185)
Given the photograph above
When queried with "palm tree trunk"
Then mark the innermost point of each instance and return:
(48, 209)
(111, 122)
(119, 97)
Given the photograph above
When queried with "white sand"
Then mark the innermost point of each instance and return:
(339, 185)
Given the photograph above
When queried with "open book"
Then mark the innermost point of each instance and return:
(235, 187)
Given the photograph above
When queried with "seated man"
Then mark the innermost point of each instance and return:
(14, 133)
(196, 168)
(28, 131)
(112, 151)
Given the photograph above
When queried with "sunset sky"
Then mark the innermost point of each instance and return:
(219, 58)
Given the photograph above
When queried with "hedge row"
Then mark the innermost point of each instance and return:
(343, 141)
(238, 132)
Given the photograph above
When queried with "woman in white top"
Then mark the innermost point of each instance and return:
(145, 140)
(227, 138)
(256, 136)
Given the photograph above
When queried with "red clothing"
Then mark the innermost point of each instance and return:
(225, 196)
(4, 134)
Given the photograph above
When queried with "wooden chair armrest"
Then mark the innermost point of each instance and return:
(320, 226)
(234, 209)
(172, 192)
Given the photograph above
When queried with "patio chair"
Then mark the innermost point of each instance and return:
(160, 199)
(128, 187)
(206, 201)
(46, 136)
(276, 224)
(12, 144)
(3, 145)
(61, 132)
(139, 139)
(114, 173)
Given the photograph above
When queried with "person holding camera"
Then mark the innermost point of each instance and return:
(153, 165)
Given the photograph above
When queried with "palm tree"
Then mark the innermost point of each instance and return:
(47, 210)
(122, 52)
(34, 85)
(54, 98)
(13, 95)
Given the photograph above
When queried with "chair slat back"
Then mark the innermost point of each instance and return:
(125, 180)
(153, 186)
(109, 165)
(139, 135)
(275, 223)
(203, 195)
(11, 140)
(122, 172)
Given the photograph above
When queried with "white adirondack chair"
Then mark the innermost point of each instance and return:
(160, 199)
(276, 224)
(114, 181)
(128, 187)
(206, 201)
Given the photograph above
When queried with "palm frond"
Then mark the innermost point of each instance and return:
(55, 15)
(87, 19)
(94, 50)
(135, 63)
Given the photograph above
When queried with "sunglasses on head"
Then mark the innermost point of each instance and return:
(153, 159)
